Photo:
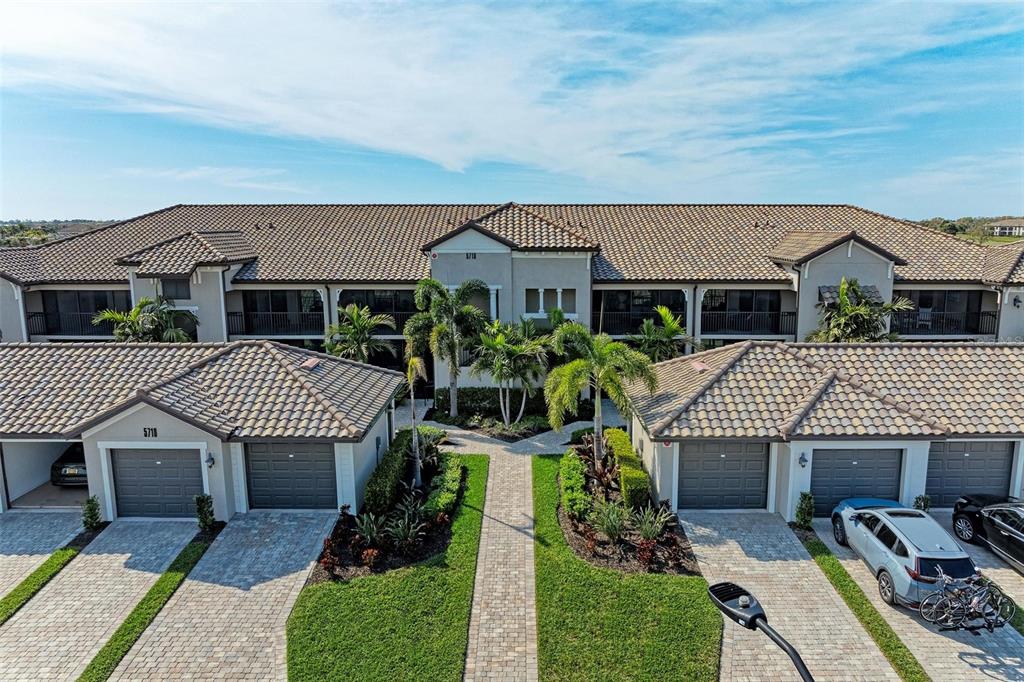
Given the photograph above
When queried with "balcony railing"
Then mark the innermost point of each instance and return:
(922, 323)
(714, 322)
(276, 324)
(624, 323)
(67, 324)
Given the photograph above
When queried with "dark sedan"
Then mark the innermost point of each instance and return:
(69, 469)
(996, 522)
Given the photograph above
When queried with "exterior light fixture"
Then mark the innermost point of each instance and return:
(1016, 301)
(209, 460)
(803, 460)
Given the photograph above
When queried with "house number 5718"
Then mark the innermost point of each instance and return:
(149, 432)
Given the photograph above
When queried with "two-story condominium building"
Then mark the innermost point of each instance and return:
(733, 272)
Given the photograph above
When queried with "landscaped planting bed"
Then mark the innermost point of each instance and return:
(598, 623)
(606, 515)
(410, 623)
(479, 411)
(399, 525)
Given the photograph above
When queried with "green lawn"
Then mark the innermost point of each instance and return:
(35, 581)
(903, 662)
(412, 623)
(598, 624)
(106, 660)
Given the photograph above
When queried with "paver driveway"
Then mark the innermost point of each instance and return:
(1009, 580)
(62, 627)
(27, 538)
(761, 553)
(227, 620)
(944, 655)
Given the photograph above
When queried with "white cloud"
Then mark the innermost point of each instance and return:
(716, 110)
(964, 185)
(268, 179)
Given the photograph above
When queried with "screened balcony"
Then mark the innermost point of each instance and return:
(755, 312)
(284, 312)
(944, 313)
(621, 311)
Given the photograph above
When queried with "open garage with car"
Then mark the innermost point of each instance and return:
(42, 474)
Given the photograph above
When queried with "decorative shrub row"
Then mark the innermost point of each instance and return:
(384, 486)
(572, 481)
(444, 489)
(484, 401)
(634, 484)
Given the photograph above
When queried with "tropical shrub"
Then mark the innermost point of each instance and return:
(370, 527)
(805, 511)
(204, 512)
(577, 436)
(923, 502)
(651, 521)
(444, 489)
(610, 518)
(91, 519)
(385, 484)
(634, 483)
(572, 480)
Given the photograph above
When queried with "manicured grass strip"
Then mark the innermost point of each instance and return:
(104, 663)
(903, 662)
(407, 624)
(599, 624)
(35, 581)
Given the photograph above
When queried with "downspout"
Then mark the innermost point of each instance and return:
(5, 501)
(1001, 299)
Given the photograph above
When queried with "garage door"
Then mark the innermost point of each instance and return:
(968, 467)
(156, 482)
(838, 474)
(723, 475)
(291, 476)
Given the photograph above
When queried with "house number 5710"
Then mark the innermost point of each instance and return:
(149, 432)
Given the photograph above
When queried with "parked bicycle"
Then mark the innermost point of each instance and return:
(971, 604)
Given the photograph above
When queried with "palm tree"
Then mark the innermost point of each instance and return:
(449, 322)
(511, 354)
(354, 335)
(855, 318)
(601, 364)
(149, 320)
(415, 369)
(665, 341)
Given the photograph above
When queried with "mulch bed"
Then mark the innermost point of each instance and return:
(210, 535)
(804, 534)
(86, 536)
(497, 434)
(672, 553)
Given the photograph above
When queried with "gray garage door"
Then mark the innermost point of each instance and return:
(838, 474)
(291, 476)
(156, 482)
(968, 467)
(723, 475)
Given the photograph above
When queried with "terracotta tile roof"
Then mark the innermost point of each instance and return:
(522, 229)
(239, 390)
(829, 294)
(1008, 222)
(383, 243)
(799, 246)
(777, 391)
(182, 254)
(1004, 264)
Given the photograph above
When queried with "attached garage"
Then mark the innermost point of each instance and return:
(156, 482)
(959, 467)
(723, 475)
(838, 474)
(286, 475)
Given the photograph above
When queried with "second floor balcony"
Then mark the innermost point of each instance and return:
(276, 324)
(737, 322)
(930, 322)
(398, 303)
(620, 312)
(67, 324)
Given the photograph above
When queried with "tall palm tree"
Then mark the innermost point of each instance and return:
(151, 319)
(855, 318)
(511, 354)
(602, 365)
(665, 341)
(354, 335)
(449, 322)
(415, 369)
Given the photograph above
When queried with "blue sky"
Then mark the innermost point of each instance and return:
(913, 109)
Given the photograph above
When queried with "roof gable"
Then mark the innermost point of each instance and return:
(182, 254)
(520, 228)
(800, 246)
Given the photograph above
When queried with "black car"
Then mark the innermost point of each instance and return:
(997, 522)
(69, 469)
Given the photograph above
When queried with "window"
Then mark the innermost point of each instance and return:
(1008, 519)
(742, 300)
(869, 520)
(177, 288)
(954, 568)
(551, 297)
(85, 301)
(886, 536)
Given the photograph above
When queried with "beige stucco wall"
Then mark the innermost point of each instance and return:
(539, 271)
(846, 260)
(365, 455)
(207, 300)
(1011, 319)
(12, 318)
(126, 431)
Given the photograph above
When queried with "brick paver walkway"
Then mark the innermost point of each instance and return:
(28, 538)
(59, 631)
(1009, 580)
(759, 552)
(227, 620)
(944, 655)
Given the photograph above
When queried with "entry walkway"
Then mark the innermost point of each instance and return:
(58, 632)
(951, 656)
(28, 538)
(758, 551)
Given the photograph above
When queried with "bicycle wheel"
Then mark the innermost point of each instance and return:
(1005, 610)
(950, 612)
(928, 604)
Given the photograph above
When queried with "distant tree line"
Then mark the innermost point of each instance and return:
(29, 232)
(972, 227)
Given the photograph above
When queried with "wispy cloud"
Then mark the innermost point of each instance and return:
(267, 179)
(730, 103)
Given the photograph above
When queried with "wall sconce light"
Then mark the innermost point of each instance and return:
(209, 460)
(803, 460)
(1016, 301)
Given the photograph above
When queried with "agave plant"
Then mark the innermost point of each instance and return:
(371, 527)
(650, 522)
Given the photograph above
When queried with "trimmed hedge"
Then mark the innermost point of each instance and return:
(483, 400)
(384, 486)
(444, 489)
(634, 484)
(572, 481)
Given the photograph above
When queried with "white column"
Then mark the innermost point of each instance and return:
(558, 298)
(540, 294)
(698, 302)
(325, 296)
(493, 293)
